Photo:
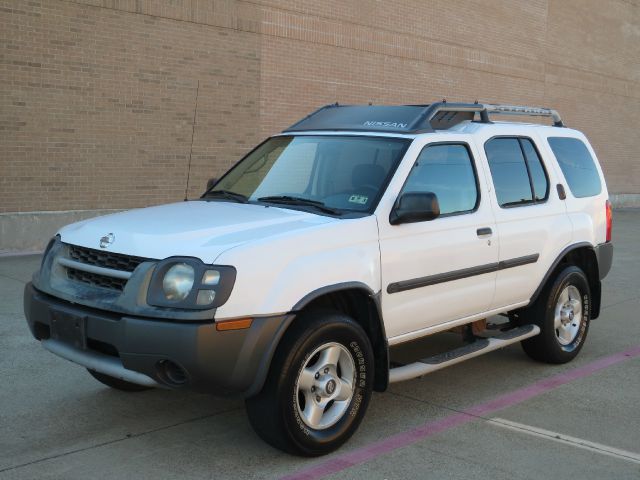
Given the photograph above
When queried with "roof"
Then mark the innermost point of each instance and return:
(409, 119)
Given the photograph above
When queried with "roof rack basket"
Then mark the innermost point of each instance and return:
(437, 112)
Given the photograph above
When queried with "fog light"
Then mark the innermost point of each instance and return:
(171, 373)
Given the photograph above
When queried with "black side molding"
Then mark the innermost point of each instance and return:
(518, 262)
(460, 274)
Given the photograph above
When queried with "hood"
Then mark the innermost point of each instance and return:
(192, 229)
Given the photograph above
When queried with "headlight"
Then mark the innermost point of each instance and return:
(178, 282)
(189, 283)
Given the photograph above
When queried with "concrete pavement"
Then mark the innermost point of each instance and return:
(56, 422)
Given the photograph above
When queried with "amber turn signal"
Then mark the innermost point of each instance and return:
(238, 324)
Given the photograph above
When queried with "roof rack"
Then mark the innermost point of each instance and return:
(411, 118)
(436, 110)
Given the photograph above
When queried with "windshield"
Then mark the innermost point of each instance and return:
(339, 173)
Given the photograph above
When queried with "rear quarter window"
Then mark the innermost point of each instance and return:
(578, 166)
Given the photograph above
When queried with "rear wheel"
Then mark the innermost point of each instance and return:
(318, 387)
(562, 312)
(117, 383)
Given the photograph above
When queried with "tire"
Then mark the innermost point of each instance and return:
(117, 383)
(562, 312)
(319, 348)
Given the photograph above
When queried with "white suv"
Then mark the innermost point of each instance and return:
(357, 229)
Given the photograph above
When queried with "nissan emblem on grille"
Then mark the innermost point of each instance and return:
(107, 240)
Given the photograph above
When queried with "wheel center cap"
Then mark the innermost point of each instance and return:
(566, 315)
(330, 387)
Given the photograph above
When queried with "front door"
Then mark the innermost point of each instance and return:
(438, 271)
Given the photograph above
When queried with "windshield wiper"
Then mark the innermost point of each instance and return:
(229, 195)
(289, 200)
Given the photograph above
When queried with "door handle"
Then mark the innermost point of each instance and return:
(561, 193)
(482, 232)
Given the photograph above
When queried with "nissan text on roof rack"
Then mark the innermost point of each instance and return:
(357, 229)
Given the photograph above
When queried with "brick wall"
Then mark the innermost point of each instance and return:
(97, 97)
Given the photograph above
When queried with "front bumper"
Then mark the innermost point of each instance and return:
(226, 363)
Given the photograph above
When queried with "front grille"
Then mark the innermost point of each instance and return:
(96, 279)
(98, 258)
(115, 261)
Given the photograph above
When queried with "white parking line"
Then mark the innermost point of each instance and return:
(567, 440)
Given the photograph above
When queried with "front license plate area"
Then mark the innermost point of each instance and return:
(69, 328)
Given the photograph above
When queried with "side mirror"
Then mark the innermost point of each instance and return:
(211, 182)
(415, 207)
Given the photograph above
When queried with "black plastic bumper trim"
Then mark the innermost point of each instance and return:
(231, 363)
(604, 254)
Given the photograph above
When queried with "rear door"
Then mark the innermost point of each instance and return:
(437, 271)
(532, 224)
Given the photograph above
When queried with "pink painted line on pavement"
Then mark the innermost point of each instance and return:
(408, 437)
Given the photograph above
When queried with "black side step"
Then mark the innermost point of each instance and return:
(474, 349)
(463, 351)
(515, 332)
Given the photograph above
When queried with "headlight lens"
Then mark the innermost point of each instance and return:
(178, 282)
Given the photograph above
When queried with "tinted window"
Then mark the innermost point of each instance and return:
(577, 165)
(447, 171)
(343, 172)
(538, 175)
(509, 171)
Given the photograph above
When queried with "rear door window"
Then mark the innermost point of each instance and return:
(509, 172)
(518, 174)
(536, 170)
(577, 165)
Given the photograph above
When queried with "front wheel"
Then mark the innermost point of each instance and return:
(318, 387)
(563, 313)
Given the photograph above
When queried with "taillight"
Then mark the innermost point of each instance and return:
(609, 220)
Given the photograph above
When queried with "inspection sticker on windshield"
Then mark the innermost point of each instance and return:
(361, 199)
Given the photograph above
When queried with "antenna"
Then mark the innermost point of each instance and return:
(193, 129)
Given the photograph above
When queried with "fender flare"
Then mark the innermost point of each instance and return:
(336, 287)
(554, 265)
(267, 357)
(381, 346)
